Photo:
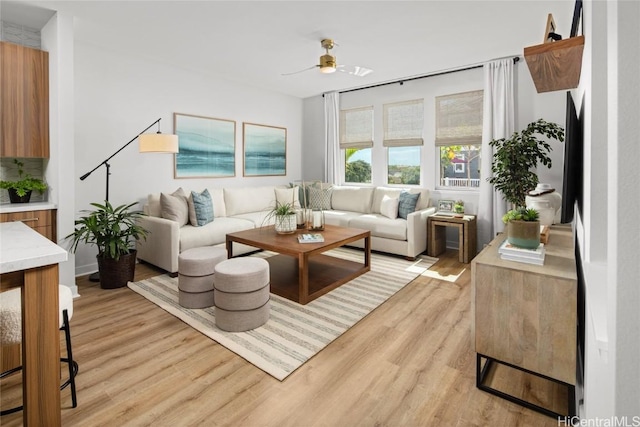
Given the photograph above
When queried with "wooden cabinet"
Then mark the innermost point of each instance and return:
(44, 221)
(525, 315)
(24, 101)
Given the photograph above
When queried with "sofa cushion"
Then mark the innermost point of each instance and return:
(174, 206)
(389, 207)
(381, 226)
(339, 218)
(250, 199)
(211, 234)
(319, 198)
(407, 203)
(288, 195)
(354, 199)
(153, 205)
(200, 208)
(379, 193)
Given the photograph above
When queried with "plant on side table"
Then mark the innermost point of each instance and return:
(20, 190)
(513, 162)
(113, 231)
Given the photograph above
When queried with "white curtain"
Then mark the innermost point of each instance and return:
(332, 138)
(498, 122)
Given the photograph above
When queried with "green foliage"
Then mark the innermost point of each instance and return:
(520, 214)
(25, 183)
(514, 158)
(110, 229)
(358, 171)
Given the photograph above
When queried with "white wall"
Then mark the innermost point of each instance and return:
(116, 97)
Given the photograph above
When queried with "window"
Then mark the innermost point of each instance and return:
(356, 139)
(403, 124)
(458, 138)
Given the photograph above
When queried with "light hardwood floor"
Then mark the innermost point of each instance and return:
(409, 363)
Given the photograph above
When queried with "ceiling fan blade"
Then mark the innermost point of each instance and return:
(300, 71)
(354, 70)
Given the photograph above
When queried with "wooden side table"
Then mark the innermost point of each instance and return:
(437, 239)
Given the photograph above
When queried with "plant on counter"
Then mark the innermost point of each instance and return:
(25, 183)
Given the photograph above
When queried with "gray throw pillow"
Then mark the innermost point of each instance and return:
(174, 206)
(320, 198)
(202, 208)
(407, 203)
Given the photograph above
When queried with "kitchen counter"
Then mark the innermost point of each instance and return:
(30, 261)
(22, 248)
(23, 207)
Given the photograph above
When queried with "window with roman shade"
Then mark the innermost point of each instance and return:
(356, 139)
(459, 138)
(403, 126)
(403, 123)
(356, 128)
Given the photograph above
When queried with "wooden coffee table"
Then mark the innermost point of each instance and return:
(301, 272)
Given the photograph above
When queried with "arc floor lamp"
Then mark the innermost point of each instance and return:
(149, 143)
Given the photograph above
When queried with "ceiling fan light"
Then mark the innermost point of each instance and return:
(327, 64)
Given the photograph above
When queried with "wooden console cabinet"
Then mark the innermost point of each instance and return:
(24, 101)
(525, 315)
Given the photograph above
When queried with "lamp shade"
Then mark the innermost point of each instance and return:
(158, 143)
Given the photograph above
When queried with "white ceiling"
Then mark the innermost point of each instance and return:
(254, 42)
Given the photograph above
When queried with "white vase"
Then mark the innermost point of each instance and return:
(286, 224)
(547, 202)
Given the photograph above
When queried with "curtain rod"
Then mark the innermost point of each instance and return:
(437, 73)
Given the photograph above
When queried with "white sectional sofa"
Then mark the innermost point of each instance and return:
(237, 209)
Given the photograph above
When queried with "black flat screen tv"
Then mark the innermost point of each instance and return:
(572, 174)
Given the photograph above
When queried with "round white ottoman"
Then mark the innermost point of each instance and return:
(241, 294)
(195, 275)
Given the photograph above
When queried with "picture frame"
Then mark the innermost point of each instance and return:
(207, 147)
(445, 206)
(264, 150)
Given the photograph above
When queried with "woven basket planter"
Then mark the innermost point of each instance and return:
(115, 274)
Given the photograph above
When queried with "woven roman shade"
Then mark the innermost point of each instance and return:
(403, 123)
(356, 128)
(459, 118)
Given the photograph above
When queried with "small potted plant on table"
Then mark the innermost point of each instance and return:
(513, 161)
(113, 231)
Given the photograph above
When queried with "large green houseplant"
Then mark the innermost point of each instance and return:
(514, 161)
(113, 231)
(20, 189)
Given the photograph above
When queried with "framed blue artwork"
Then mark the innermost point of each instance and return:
(207, 147)
(264, 149)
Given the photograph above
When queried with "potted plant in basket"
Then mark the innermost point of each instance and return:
(20, 189)
(113, 231)
(513, 161)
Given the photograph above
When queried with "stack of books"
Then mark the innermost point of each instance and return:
(513, 253)
(310, 238)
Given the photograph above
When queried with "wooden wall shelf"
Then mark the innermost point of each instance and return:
(555, 65)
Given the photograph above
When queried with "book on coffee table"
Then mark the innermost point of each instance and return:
(310, 238)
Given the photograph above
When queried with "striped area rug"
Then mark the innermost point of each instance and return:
(294, 332)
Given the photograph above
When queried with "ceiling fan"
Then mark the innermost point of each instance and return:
(329, 65)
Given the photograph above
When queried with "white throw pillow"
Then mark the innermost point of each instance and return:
(389, 207)
(288, 195)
